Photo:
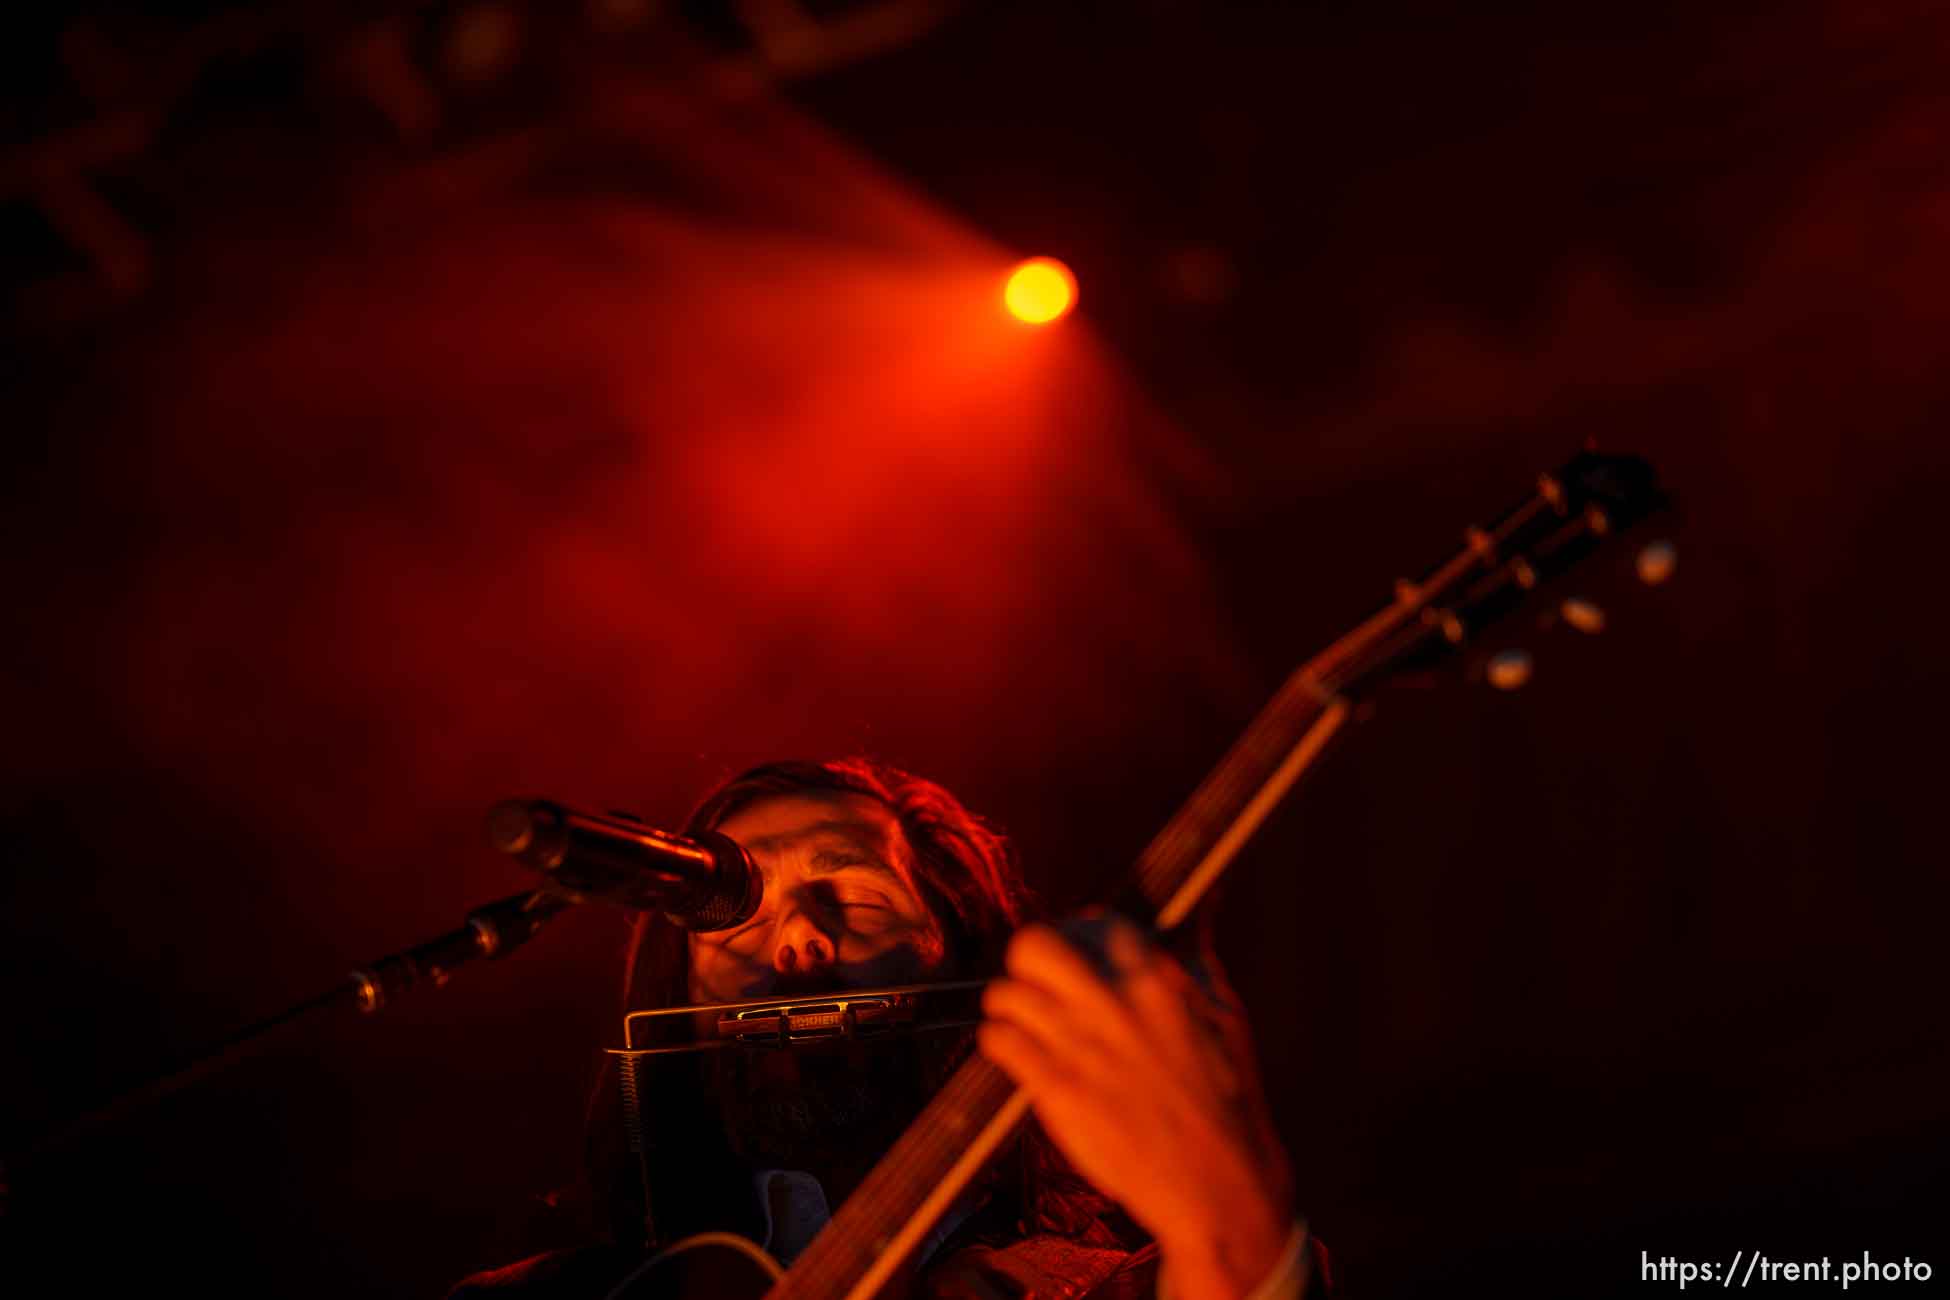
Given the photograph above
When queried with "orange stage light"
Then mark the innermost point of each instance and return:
(1040, 290)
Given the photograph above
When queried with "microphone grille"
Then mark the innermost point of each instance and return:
(511, 826)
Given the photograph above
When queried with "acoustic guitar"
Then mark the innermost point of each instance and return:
(1569, 515)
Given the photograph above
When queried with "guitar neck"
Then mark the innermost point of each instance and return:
(978, 1110)
(891, 1213)
(933, 1164)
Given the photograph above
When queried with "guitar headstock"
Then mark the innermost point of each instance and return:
(1585, 505)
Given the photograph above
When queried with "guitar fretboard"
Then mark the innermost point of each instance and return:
(980, 1107)
(890, 1214)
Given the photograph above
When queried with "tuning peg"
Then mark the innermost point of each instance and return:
(1583, 615)
(1508, 669)
(1656, 562)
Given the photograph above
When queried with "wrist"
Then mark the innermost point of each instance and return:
(1227, 1258)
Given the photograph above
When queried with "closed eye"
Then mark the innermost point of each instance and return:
(762, 917)
(851, 894)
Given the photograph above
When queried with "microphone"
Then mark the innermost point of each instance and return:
(705, 883)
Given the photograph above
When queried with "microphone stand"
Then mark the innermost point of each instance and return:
(492, 931)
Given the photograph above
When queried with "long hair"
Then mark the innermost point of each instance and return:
(965, 872)
(968, 876)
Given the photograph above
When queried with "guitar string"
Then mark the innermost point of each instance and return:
(1172, 855)
(850, 1231)
(893, 1252)
(1403, 638)
(851, 1241)
(899, 1168)
(903, 1164)
(902, 1170)
(853, 1230)
(1397, 630)
(1273, 732)
(1253, 752)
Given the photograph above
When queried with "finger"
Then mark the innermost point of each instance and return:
(1057, 1031)
(1039, 956)
(1020, 1057)
(1129, 951)
(1167, 1000)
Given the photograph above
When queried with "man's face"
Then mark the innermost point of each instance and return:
(840, 909)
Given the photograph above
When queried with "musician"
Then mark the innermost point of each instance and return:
(1152, 1168)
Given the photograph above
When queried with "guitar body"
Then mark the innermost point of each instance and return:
(709, 1266)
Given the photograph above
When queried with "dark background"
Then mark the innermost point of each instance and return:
(414, 406)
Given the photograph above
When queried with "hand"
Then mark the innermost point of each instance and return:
(1145, 1097)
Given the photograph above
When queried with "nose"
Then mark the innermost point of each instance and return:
(799, 947)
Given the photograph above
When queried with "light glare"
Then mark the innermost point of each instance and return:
(1040, 290)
